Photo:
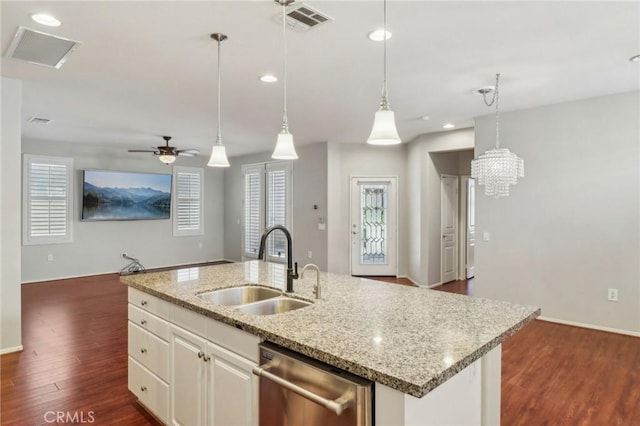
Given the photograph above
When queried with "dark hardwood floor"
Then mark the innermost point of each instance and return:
(75, 353)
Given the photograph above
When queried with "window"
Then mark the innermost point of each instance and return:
(187, 206)
(48, 200)
(266, 202)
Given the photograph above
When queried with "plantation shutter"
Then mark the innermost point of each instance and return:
(266, 202)
(277, 209)
(252, 200)
(48, 199)
(188, 204)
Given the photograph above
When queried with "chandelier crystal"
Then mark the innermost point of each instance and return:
(497, 168)
(384, 130)
(218, 152)
(285, 148)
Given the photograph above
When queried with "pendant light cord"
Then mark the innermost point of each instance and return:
(384, 104)
(285, 124)
(219, 138)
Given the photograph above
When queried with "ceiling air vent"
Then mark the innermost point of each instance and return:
(40, 48)
(302, 17)
(39, 120)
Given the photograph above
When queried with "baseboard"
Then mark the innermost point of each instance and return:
(433, 285)
(590, 326)
(68, 277)
(414, 282)
(11, 350)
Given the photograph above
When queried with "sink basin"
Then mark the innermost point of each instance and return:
(239, 295)
(273, 306)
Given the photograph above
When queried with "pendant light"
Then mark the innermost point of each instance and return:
(285, 149)
(497, 168)
(218, 152)
(384, 130)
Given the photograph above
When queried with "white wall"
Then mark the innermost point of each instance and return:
(309, 188)
(97, 246)
(10, 216)
(570, 228)
(344, 161)
(424, 209)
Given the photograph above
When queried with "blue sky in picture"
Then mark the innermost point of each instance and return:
(107, 179)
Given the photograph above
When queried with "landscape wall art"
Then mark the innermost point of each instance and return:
(109, 195)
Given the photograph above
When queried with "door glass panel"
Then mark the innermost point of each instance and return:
(373, 223)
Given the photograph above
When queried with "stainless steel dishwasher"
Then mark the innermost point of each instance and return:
(299, 391)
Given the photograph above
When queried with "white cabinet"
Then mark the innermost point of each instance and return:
(188, 378)
(190, 370)
(233, 389)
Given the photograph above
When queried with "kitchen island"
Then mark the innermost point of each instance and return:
(419, 346)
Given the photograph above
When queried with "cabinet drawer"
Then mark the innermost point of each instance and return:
(149, 322)
(149, 350)
(149, 303)
(150, 390)
(233, 339)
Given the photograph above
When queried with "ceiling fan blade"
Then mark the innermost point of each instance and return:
(188, 151)
(142, 150)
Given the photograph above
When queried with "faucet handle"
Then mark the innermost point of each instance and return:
(295, 271)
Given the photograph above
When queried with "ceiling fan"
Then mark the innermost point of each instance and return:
(167, 154)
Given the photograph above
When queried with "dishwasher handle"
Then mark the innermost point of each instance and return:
(335, 405)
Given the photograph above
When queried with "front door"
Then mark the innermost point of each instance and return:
(373, 226)
(449, 216)
(470, 268)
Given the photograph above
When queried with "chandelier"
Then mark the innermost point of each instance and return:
(497, 168)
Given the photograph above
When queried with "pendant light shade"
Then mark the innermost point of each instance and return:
(285, 148)
(384, 130)
(218, 152)
(497, 168)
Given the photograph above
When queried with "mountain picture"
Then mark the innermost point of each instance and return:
(110, 195)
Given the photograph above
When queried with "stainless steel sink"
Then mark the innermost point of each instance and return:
(239, 295)
(273, 306)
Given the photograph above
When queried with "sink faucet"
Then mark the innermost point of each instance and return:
(316, 288)
(291, 274)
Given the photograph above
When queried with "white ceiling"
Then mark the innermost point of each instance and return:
(148, 68)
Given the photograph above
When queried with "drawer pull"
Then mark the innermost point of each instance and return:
(143, 303)
(200, 354)
(143, 388)
(143, 351)
(143, 322)
(206, 358)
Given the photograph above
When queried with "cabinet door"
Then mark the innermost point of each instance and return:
(233, 389)
(188, 378)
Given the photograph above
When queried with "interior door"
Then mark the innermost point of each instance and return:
(373, 226)
(471, 228)
(449, 221)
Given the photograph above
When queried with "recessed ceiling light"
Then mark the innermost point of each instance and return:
(268, 78)
(379, 35)
(635, 58)
(424, 118)
(44, 19)
(448, 126)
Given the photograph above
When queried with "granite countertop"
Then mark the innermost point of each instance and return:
(408, 338)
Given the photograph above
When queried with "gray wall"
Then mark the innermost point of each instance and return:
(10, 217)
(346, 160)
(97, 246)
(309, 188)
(424, 196)
(570, 228)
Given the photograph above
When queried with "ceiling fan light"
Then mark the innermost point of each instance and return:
(218, 156)
(167, 158)
(285, 149)
(384, 130)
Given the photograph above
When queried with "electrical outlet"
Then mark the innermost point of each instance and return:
(200, 245)
(612, 295)
(309, 254)
(50, 257)
(486, 236)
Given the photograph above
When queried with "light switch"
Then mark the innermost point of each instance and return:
(486, 236)
(322, 226)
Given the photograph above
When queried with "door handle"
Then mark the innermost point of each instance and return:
(337, 405)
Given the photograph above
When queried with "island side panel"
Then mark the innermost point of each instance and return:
(491, 383)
